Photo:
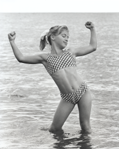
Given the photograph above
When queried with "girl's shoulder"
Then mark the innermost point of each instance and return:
(44, 55)
(70, 50)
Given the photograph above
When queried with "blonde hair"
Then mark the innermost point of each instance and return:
(55, 30)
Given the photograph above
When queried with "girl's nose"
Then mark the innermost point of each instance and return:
(66, 39)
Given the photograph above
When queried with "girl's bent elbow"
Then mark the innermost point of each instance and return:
(21, 60)
(94, 49)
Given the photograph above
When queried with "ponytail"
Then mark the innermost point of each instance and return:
(43, 43)
(44, 39)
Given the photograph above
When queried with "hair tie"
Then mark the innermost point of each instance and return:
(44, 34)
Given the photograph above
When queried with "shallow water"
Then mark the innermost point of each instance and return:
(29, 97)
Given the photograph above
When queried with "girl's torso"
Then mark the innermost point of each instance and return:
(62, 69)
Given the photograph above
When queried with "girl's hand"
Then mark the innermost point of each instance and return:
(89, 25)
(12, 36)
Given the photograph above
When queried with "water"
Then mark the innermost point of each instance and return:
(29, 97)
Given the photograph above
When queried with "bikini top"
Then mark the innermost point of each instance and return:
(57, 62)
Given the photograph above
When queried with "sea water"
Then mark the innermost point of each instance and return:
(29, 97)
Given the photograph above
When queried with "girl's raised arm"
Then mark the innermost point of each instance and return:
(38, 58)
(80, 51)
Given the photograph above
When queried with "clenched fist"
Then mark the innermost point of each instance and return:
(12, 36)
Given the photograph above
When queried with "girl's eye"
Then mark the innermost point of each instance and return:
(63, 35)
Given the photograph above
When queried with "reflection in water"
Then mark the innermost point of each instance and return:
(81, 141)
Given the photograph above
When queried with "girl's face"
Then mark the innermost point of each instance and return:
(61, 40)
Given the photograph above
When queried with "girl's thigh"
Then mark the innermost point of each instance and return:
(84, 106)
(61, 114)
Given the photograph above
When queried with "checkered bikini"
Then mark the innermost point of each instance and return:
(74, 97)
(57, 62)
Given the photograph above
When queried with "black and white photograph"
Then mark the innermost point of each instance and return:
(59, 74)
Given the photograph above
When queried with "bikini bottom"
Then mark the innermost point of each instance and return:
(74, 97)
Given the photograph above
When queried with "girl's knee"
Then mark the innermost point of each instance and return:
(85, 126)
(54, 129)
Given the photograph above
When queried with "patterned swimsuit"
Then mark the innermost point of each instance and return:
(57, 62)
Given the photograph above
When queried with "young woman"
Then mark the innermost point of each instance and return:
(61, 65)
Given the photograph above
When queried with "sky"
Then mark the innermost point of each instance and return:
(59, 6)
